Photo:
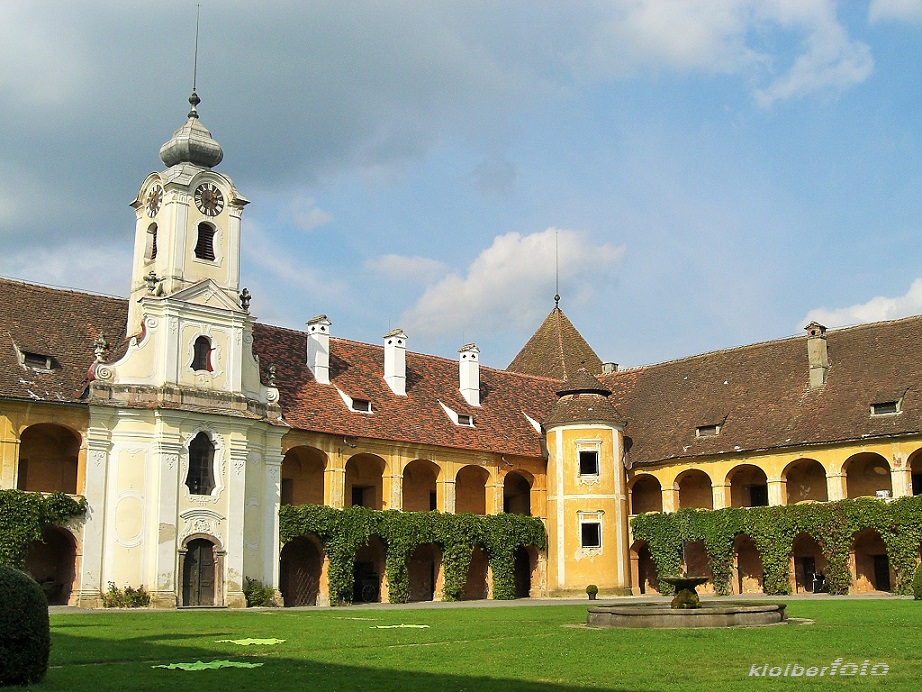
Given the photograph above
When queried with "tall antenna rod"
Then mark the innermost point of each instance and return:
(198, 13)
(194, 99)
(556, 268)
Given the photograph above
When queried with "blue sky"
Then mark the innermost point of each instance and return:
(712, 173)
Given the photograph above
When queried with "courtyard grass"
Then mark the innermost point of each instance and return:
(503, 648)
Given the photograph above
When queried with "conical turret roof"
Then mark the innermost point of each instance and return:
(556, 350)
(583, 399)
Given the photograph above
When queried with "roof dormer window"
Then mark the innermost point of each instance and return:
(361, 405)
(464, 419)
(885, 408)
(36, 361)
(707, 430)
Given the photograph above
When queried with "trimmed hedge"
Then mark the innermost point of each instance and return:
(25, 638)
(343, 532)
(832, 525)
(23, 517)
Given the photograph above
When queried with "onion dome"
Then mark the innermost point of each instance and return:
(583, 399)
(192, 143)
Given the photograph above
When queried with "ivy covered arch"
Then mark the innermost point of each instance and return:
(343, 532)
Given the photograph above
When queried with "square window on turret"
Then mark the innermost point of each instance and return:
(590, 534)
(589, 462)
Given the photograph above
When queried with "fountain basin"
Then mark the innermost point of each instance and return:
(657, 615)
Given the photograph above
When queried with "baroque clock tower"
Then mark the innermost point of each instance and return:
(184, 441)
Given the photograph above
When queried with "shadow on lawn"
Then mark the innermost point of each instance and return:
(128, 664)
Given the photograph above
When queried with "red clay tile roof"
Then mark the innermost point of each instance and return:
(57, 323)
(760, 397)
(758, 394)
(357, 369)
(556, 350)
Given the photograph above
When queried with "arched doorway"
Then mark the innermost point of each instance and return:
(48, 456)
(475, 586)
(199, 575)
(870, 563)
(299, 572)
(471, 490)
(646, 495)
(365, 481)
(915, 469)
(695, 490)
(517, 494)
(806, 482)
(695, 563)
(806, 560)
(423, 572)
(748, 486)
(643, 569)
(302, 476)
(867, 475)
(369, 572)
(747, 565)
(420, 490)
(524, 566)
(52, 562)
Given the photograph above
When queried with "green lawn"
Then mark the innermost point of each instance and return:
(521, 648)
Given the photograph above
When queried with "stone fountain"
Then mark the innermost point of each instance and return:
(686, 610)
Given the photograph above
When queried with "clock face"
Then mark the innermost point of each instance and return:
(208, 199)
(154, 198)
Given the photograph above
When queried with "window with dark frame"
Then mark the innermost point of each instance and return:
(201, 358)
(884, 408)
(588, 462)
(361, 405)
(204, 246)
(200, 478)
(590, 534)
(151, 253)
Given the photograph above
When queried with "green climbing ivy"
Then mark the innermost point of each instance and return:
(23, 517)
(832, 525)
(343, 532)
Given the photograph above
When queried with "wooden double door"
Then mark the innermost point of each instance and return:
(198, 579)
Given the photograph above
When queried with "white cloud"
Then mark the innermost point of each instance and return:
(401, 268)
(875, 310)
(831, 61)
(510, 284)
(730, 37)
(100, 267)
(306, 215)
(895, 10)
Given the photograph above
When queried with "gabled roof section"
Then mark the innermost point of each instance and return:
(760, 397)
(206, 292)
(557, 350)
(57, 323)
(501, 425)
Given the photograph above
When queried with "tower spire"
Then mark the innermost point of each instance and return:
(556, 269)
(194, 100)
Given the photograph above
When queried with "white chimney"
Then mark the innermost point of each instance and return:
(395, 361)
(469, 373)
(318, 348)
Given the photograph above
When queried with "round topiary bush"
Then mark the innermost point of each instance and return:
(917, 583)
(25, 639)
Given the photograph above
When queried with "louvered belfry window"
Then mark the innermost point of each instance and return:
(204, 246)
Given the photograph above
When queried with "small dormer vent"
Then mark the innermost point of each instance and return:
(707, 430)
(885, 408)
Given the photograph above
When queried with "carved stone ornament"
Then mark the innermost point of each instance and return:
(245, 298)
(101, 348)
